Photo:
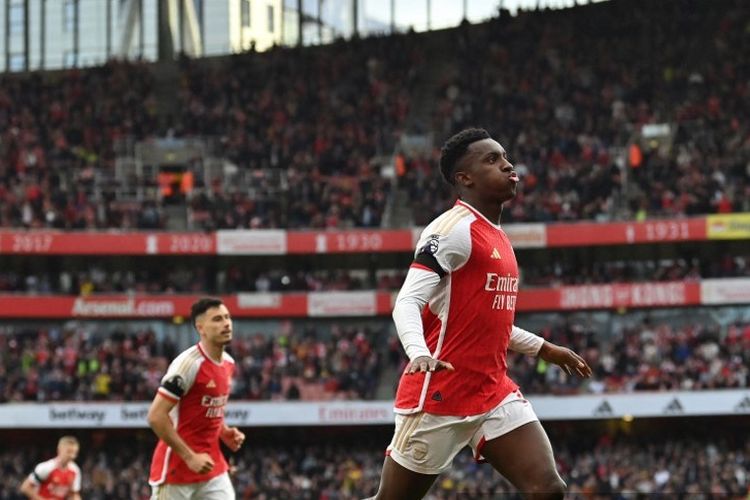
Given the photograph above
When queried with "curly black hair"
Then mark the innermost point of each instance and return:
(455, 147)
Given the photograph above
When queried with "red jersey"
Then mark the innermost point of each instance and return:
(56, 482)
(200, 386)
(468, 318)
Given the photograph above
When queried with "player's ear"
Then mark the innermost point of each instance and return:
(463, 178)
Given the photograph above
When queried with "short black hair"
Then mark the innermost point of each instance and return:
(202, 305)
(455, 147)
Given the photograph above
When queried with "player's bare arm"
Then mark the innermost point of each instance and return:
(565, 358)
(232, 437)
(30, 489)
(158, 419)
(75, 496)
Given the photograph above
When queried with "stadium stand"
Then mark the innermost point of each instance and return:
(58, 132)
(84, 363)
(648, 459)
(314, 132)
(308, 106)
(548, 85)
(94, 276)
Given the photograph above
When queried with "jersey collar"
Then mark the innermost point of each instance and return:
(205, 355)
(478, 213)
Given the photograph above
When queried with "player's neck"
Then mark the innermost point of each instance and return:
(490, 209)
(214, 351)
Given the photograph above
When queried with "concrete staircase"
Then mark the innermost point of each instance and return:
(399, 212)
(176, 217)
(419, 120)
(167, 81)
(419, 123)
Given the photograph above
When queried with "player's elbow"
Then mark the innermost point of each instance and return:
(394, 314)
(154, 418)
(26, 488)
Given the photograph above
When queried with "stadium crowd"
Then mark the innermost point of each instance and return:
(568, 93)
(78, 363)
(310, 201)
(105, 276)
(565, 95)
(321, 114)
(612, 466)
(57, 135)
(648, 356)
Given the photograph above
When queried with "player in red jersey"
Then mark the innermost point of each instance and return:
(188, 414)
(454, 316)
(58, 478)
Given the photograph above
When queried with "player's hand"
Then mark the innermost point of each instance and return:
(200, 463)
(565, 358)
(424, 364)
(233, 438)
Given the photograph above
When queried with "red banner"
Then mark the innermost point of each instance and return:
(183, 243)
(622, 233)
(630, 295)
(372, 303)
(101, 243)
(280, 242)
(146, 306)
(354, 241)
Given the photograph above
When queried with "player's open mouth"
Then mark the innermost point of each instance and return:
(514, 177)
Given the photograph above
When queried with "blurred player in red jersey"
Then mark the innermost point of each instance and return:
(188, 414)
(58, 478)
(454, 316)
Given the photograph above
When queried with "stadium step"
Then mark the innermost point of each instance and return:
(176, 217)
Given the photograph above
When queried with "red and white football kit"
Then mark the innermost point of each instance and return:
(56, 482)
(200, 386)
(458, 305)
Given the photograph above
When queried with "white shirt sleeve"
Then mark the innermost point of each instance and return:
(449, 251)
(525, 342)
(443, 247)
(180, 375)
(77, 480)
(42, 471)
(407, 312)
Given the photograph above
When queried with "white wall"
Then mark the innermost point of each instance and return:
(216, 27)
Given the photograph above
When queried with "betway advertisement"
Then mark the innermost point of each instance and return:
(331, 413)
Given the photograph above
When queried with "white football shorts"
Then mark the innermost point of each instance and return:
(216, 488)
(427, 443)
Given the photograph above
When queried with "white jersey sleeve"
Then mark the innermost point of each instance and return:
(524, 341)
(181, 374)
(42, 471)
(77, 480)
(407, 311)
(443, 247)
